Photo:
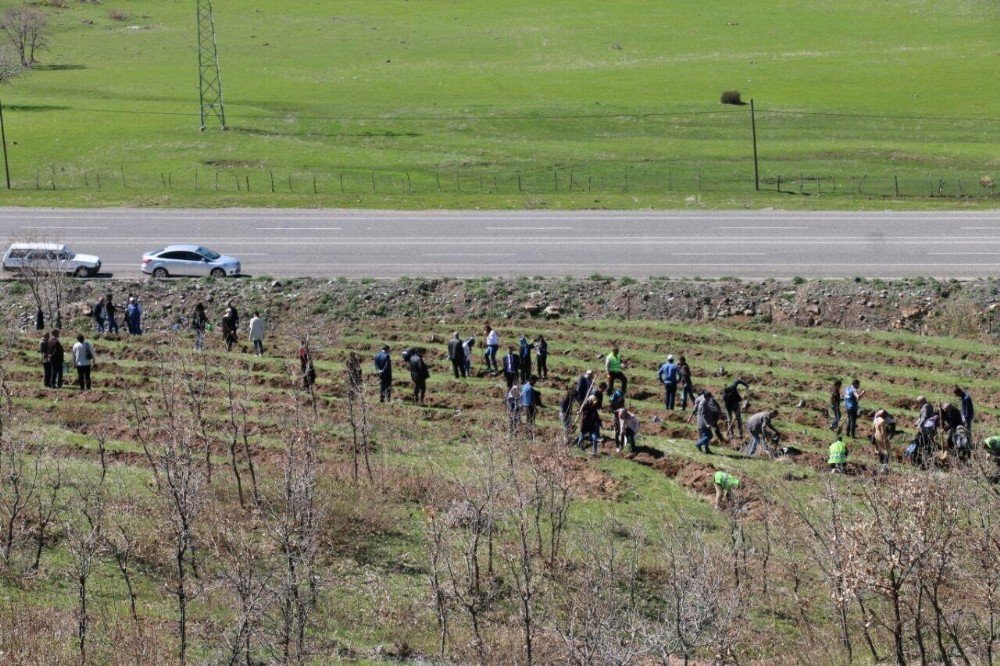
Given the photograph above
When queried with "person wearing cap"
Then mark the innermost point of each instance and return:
(668, 374)
(613, 366)
(584, 386)
(383, 365)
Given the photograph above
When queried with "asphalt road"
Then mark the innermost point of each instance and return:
(360, 243)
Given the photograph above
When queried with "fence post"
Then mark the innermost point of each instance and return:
(626, 178)
(270, 173)
(373, 180)
(248, 182)
(519, 188)
(98, 181)
(341, 183)
(124, 183)
(895, 183)
(290, 188)
(86, 180)
(196, 179)
(315, 190)
(216, 180)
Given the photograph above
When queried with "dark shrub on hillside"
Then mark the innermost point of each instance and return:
(731, 97)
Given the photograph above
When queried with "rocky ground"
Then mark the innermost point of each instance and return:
(919, 305)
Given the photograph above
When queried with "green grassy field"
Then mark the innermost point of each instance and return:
(478, 104)
(374, 602)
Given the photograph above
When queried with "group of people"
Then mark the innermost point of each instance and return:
(54, 363)
(105, 315)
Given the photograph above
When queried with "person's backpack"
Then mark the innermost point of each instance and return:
(712, 411)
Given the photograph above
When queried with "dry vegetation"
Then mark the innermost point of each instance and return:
(206, 508)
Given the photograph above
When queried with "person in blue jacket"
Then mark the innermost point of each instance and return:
(668, 374)
(524, 354)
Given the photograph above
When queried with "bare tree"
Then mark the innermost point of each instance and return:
(25, 27)
(599, 615)
(357, 414)
(47, 281)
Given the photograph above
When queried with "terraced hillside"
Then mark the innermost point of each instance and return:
(296, 526)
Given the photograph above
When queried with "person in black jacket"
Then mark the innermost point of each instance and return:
(733, 402)
(112, 311)
(43, 349)
(419, 374)
(230, 324)
(542, 356)
(199, 321)
(584, 386)
(383, 364)
(456, 354)
(511, 367)
(56, 359)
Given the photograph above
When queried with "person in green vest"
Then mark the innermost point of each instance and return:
(613, 364)
(992, 446)
(838, 456)
(724, 482)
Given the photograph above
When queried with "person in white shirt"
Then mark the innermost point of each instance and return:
(257, 334)
(492, 345)
(83, 360)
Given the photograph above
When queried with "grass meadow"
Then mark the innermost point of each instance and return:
(477, 104)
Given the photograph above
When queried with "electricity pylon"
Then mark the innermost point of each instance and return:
(209, 80)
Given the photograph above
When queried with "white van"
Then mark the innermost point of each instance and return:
(46, 256)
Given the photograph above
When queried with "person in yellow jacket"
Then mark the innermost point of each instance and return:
(838, 456)
(724, 482)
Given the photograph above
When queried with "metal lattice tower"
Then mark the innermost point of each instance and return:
(209, 80)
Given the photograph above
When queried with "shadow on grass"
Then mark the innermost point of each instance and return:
(34, 107)
(57, 68)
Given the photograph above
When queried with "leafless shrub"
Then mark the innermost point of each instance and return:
(118, 15)
(25, 27)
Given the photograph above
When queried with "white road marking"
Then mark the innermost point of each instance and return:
(963, 254)
(528, 228)
(469, 254)
(299, 229)
(755, 228)
(47, 226)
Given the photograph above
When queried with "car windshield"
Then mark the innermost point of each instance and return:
(208, 254)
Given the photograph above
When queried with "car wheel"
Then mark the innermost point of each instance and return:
(218, 272)
(160, 273)
(81, 272)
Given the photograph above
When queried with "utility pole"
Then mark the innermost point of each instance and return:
(209, 80)
(3, 135)
(753, 132)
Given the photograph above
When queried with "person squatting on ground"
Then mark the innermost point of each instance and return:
(199, 322)
(511, 367)
(724, 483)
(733, 402)
(852, 407)
(628, 428)
(383, 367)
(83, 361)
(838, 456)
(707, 412)
(256, 334)
(669, 374)
(56, 359)
(524, 358)
(419, 373)
(760, 428)
(492, 346)
(613, 366)
(542, 356)
(456, 355)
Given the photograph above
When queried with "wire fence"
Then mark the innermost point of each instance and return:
(645, 179)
